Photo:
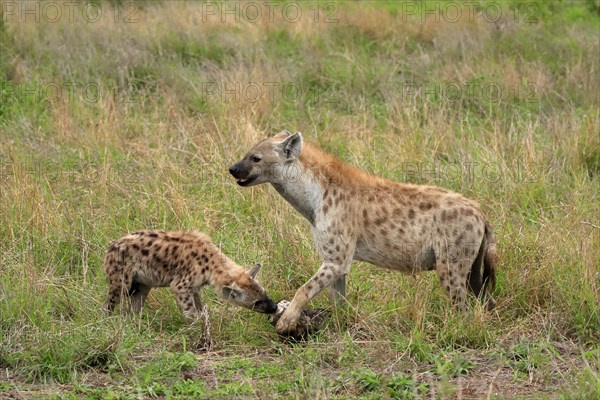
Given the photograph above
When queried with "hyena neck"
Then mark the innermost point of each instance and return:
(224, 273)
(303, 191)
(331, 171)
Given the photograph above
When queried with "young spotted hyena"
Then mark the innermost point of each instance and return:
(185, 261)
(354, 215)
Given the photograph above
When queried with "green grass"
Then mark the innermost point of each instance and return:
(505, 112)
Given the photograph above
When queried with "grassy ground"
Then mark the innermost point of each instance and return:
(123, 117)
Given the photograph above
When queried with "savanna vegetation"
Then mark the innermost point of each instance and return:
(120, 116)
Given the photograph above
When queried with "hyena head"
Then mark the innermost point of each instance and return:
(269, 161)
(245, 291)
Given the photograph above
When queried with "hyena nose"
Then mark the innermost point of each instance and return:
(271, 307)
(233, 169)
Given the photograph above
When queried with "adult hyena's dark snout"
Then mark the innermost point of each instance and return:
(234, 170)
(240, 170)
(242, 173)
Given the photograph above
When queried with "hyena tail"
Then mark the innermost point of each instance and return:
(490, 259)
(484, 282)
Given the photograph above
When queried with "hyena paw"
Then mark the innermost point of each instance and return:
(108, 307)
(287, 325)
(281, 307)
(193, 316)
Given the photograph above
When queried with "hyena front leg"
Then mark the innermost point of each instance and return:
(186, 297)
(338, 289)
(331, 272)
(197, 301)
(337, 253)
(325, 276)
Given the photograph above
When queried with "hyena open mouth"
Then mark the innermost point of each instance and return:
(243, 182)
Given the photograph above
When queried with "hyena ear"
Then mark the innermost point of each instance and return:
(283, 134)
(231, 293)
(292, 146)
(254, 270)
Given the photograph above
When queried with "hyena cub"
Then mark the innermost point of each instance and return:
(184, 261)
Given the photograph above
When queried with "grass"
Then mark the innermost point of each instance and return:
(112, 126)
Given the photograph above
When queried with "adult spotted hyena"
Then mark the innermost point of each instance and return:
(354, 215)
(185, 261)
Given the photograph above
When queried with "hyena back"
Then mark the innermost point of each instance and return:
(184, 261)
(357, 216)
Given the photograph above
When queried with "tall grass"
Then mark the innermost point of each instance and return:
(108, 127)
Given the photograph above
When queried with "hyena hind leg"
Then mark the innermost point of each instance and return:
(114, 295)
(137, 296)
(454, 279)
(118, 287)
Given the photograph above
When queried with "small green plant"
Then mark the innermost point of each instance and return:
(5, 387)
(152, 389)
(367, 379)
(452, 366)
(233, 389)
(188, 388)
(417, 345)
(526, 357)
(401, 387)
(587, 383)
(90, 393)
(165, 366)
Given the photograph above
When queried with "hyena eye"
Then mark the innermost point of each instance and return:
(256, 158)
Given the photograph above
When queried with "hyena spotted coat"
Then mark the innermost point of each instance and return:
(184, 261)
(357, 216)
